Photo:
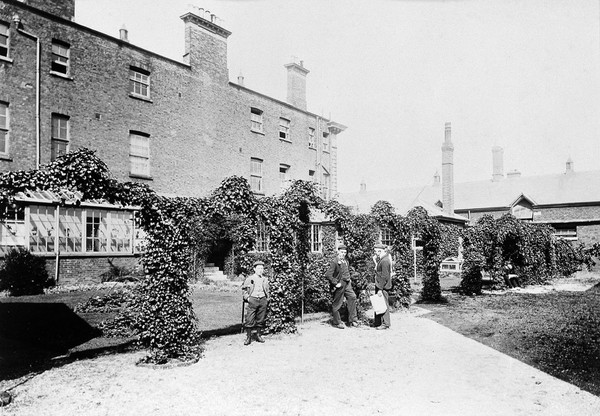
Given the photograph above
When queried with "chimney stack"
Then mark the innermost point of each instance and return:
(448, 171)
(570, 166)
(205, 44)
(296, 84)
(241, 79)
(497, 163)
(124, 34)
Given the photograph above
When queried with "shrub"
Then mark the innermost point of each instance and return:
(23, 273)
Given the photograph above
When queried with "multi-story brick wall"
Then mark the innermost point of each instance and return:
(197, 122)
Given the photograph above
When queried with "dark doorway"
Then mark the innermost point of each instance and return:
(219, 253)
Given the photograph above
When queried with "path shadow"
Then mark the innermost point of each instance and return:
(32, 334)
(228, 330)
(594, 289)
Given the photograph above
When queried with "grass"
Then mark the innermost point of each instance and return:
(556, 332)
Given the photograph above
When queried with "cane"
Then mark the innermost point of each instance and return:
(243, 315)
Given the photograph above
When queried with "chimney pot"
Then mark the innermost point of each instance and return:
(363, 187)
(570, 166)
(124, 34)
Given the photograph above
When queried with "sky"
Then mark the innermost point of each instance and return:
(523, 75)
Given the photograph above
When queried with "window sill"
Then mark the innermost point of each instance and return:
(140, 97)
(257, 132)
(325, 151)
(6, 59)
(312, 148)
(285, 140)
(81, 254)
(140, 176)
(6, 157)
(61, 75)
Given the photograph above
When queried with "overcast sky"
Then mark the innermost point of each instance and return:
(523, 75)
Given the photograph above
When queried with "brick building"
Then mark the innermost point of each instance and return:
(181, 127)
(568, 201)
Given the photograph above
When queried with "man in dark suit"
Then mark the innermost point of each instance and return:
(383, 283)
(338, 275)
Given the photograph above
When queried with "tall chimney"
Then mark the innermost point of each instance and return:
(241, 79)
(570, 166)
(124, 34)
(448, 171)
(296, 84)
(497, 163)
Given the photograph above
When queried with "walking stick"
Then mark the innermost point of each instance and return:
(243, 315)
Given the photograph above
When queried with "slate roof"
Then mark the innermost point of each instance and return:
(565, 188)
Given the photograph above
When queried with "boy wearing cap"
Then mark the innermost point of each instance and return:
(383, 283)
(338, 275)
(255, 290)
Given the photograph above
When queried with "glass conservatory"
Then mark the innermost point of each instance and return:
(47, 222)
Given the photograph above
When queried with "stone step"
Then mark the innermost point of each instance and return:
(211, 269)
(210, 265)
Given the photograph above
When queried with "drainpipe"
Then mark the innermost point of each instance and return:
(57, 245)
(17, 21)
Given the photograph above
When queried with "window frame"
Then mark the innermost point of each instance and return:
(262, 239)
(316, 238)
(284, 129)
(142, 157)
(386, 236)
(256, 120)
(565, 232)
(312, 143)
(6, 35)
(139, 77)
(256, 175)
(5, 129)
(56, 139)
(13, 227)
(326, 144)
(283, 175)
(58, 66)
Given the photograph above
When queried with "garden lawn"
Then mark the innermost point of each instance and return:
(556, 332)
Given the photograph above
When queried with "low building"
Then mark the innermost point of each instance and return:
(568, 201)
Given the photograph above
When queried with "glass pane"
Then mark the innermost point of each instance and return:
(3, 141)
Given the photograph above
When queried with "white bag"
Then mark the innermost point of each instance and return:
(378, 303)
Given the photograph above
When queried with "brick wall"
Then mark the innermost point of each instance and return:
(86, 270)
(198, 122)
(588, 234)
(567, 213)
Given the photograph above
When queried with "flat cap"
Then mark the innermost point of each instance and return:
(258, 263)
(342, 247)
(379, 245)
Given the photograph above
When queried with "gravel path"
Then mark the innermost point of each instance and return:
(418, 367)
